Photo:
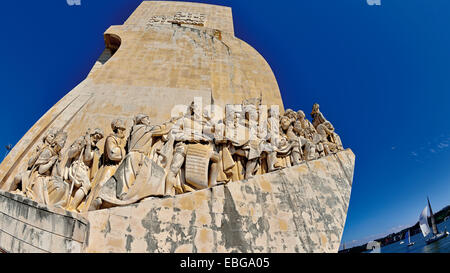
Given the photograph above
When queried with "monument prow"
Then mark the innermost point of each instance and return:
(177, 141)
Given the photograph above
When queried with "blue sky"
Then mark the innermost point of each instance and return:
(380, 74)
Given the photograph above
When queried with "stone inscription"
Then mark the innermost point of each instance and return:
(186, 18)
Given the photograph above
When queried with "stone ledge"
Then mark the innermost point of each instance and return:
(297, 209)
(26, 226)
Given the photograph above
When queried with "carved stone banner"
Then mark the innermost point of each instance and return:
(197, 165)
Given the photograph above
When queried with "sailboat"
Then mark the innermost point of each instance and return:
(409, 239)
(425, 228)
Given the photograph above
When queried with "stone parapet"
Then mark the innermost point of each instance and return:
(297, 209)
(26, 226)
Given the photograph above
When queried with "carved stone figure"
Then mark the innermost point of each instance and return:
(82, 165)
(331, 141)
(113, 154)
(173, 184)
(291, 115)
(271, 148)
(252, 149)
(164, 154)
(56, 188)
(192, 134)
(307, 129)
(134, 178)
(46, 185)
(305, 132)
(287, 127)
(20, 182)
(317, 116)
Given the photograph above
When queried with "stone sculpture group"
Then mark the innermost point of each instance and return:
(194, 150)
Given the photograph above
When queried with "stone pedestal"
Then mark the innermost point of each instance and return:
(298, 209)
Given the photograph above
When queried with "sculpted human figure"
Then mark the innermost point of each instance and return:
(139, 147)
(308, 129)
(195, 148)
(164, 154)
(135, 178)
(286, 144)
(331, 141)
(182, 131)
(252, 148)
(306, 132)
(46, 185)
(317, 116)
(174, 185)
(287, 127)
(291, 115)
(234, 137)
(223, 137)
(274, 141)
(82, 165)
(226, 163)
(246, 142)
(113, 154)
(20, 182)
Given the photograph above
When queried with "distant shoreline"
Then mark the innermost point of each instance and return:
(398, 236)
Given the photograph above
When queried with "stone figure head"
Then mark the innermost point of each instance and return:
(60, 141)
(96, 135)
(118, 127)
(49, 138)
(315, 109)
(298, 127)
(300, 115)
(142, 119)
(290, 114)
(285, 122)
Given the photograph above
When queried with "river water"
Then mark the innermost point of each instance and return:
(441, 246)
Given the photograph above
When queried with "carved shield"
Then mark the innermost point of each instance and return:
(197, 165)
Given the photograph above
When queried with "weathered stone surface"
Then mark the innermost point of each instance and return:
(26, 226)
(298, 209)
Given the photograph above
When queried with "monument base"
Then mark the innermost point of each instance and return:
(297, 209)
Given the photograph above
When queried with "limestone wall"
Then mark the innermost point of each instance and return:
(26, 226)
(299, 209)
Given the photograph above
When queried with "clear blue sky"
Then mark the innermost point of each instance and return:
(380, 73)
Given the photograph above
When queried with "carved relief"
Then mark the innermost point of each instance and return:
(82, 165)
(43, 181)
(179, 18)
(193, 151)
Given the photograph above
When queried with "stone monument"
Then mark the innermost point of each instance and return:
(177, 141)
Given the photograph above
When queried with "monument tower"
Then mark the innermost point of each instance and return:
(105, 170)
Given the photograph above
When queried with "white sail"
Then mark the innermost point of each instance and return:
(423, 222)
